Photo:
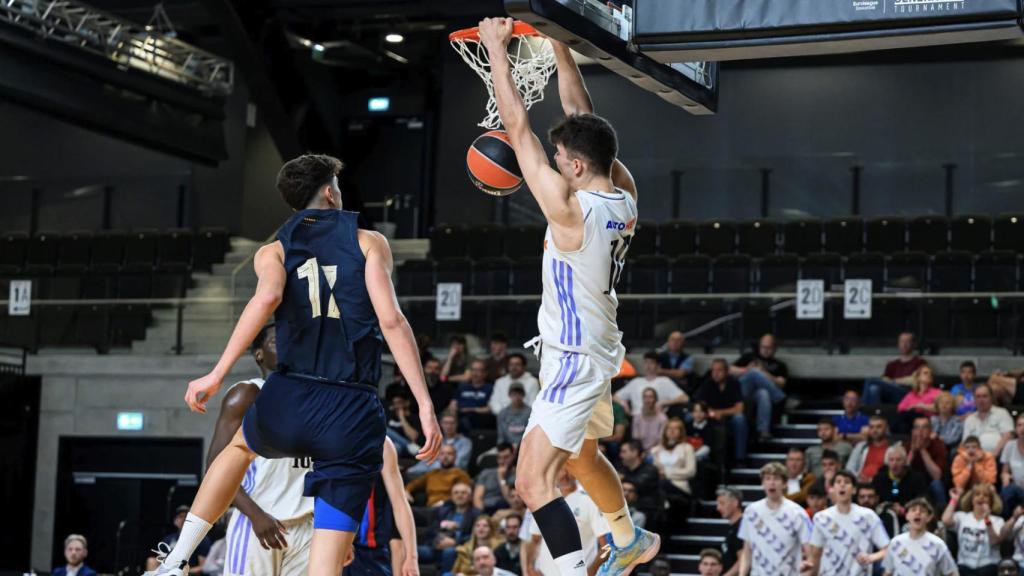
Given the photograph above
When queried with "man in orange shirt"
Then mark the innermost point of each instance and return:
(438, 483)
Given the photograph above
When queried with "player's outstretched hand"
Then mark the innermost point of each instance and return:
(495, 33)
(431, 437)
(201, 390)
(410, 566)
(269, 531)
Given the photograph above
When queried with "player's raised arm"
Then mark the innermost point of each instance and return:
(269, 264)
(575, 98)
(404, 521)
(546, 184)
(398, 335)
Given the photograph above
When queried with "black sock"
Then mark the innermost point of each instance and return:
(558, 527)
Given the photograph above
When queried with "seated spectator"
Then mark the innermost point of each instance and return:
(438, 484)
(973, 465)
(513, 418)
(620, 425)
(868, 456)
(629, 494)
(867, 497)
(829, 467)
(1007, 387)
(1013, 530)
(673, 362)
(441, 392)
(978, 525)
(452, 437)
(472, 398)
(896, 482)
(798, 479)
(852, 424)
(721, 394)
(496, 361)
(650, 422)
(631, 395)
(506, 555)
(762, 377)
(992, 425)
(483, 534)
(454, 522)
(516, 374)
(456, 364)
(76, 550)
(817, 500)
(1012, 458)
(946, 425)
(214, 565)
(488, 495)
(403, 428)
(485, 563)
(920, 401)
(729, 504)
(198, 557)
(661, 567)
(898, 376)
(710, 562)
(697, 433)
(516, 506)
(675, 460)
(829, 441)
(963, 391)
(643, 475)
(927, 455)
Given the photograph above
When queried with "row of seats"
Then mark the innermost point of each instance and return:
(928, 234)
(176, 246)
(733, 273)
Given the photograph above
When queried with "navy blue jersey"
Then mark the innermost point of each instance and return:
(375, 531)
(326, 326)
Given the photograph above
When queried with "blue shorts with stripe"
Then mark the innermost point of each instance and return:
(340, 426)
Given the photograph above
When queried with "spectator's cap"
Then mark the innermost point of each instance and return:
(516, 387)
(183, 508)
(734, 493)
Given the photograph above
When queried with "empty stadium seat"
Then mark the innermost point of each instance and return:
(485, 241)
(526, 276)
(42, 249)
(996, 272)
(454, 270)
(645, 239)
(209, 247)
(140, 247)
(825, 266)
(448, 241)
(416, 278)
(171, 280)
(107, 248)
(971, 233)
(951, 272)
(1008, 232)
(174, 246)
(844, 236)
(928, 234)
(690, 274)
(677, 238)
(717, 237)
(907, 270)
(524, 242)
(731, 274)
(647, 275)
(778, 273)
(74, 247)
(13, 248)
(886, 235)
(757, 238)
(802, 237)
(101, 282)
(492, 276)
(867, 265)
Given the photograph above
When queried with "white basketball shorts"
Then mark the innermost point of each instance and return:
(246, 557)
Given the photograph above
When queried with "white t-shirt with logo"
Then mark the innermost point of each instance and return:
(926, 555)
(843, 536)
(974, 549)
(590, 521)
(775, 537)
(634, 391)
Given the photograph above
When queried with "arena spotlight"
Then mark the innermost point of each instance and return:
(394, 38)
(379, 104)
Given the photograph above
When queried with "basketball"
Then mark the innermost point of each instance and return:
(492, 165)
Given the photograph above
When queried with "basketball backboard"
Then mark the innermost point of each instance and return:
(603, 31)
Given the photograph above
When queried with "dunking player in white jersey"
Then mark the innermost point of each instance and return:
(590, 206)
(272, 527)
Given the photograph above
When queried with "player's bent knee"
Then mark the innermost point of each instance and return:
(327, 517)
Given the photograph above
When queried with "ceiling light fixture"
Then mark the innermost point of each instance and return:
(394, 38)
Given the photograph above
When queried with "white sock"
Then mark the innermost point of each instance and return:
(621, 524)
(572, 564)
(192, 533)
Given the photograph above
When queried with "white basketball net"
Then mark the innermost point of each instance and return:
(532, 61)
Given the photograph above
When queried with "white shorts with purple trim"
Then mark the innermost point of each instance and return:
(244, 556)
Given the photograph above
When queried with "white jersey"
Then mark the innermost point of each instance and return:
(276, 484)
(923, 556)
(842, 537)
(579, 305)
(775, 536)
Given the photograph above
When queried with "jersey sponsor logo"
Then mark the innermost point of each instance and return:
(620, 226)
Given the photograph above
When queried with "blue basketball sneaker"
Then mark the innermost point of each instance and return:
(622, 561)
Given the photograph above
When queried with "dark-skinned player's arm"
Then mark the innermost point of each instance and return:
(545, 183)
(269, 531)
(404, 521)
(398, 335)
(576, 100)
(269, 265)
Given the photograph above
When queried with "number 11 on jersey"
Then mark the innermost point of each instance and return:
(310, 270)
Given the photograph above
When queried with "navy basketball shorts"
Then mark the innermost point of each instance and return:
(370, 562)
(339, 426)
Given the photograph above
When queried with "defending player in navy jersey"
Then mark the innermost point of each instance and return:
(328, 285)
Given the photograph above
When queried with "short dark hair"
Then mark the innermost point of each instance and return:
(721, 361)
(457, 338)
(817, 490)
(504, 446)
(827, 421)
(711, 553)
(971, 440)
(865, 486)
(261, 338)
(499, 337)
(518, 355)
(922, 503)
(699, 404)
(652, 355)
(635, 445)
(848, 475)
(589, 136)
(968, 364)
(300, 178)
(827, 454)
